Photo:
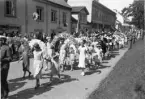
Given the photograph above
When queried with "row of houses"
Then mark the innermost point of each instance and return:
(95, 15)
(54, 16)
(17, 16)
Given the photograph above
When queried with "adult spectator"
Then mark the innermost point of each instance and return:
(53, 35)
(5, 57)
(130, 40)
(104, 47)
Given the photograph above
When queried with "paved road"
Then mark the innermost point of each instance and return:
(72, 85)
(126, 81)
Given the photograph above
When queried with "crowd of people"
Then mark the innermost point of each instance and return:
(88, 52)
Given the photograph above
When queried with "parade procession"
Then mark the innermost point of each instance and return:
(67, 49)
(63, 52)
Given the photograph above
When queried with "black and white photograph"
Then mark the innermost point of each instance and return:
(72, 49)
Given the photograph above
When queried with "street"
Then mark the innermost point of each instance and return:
(71, 86)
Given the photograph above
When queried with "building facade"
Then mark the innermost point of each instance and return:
(74, 23)
(102, 17)
(80, 13)
(99, 16)
(17, 16)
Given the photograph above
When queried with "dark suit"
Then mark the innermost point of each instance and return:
(5, 57)
(130, 45)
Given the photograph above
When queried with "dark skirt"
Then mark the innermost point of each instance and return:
(26, 66)
(104, 50)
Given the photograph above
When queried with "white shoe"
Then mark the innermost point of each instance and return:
(83, 74)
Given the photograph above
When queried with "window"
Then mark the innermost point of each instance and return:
(83, 18)
(64, 19)
(10, 8)
(40, 12)
(53, 16)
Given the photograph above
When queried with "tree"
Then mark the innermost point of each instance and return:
(136, 11)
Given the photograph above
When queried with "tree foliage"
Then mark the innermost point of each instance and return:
(136, 11)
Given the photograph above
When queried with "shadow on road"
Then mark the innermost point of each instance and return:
(113, 54)
(102, 67)
(16, 85)
(64, 79)
(21, 79)
(105, 62)
(29, 93)
(90, 72)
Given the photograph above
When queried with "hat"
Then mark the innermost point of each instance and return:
(3, 38)
(36, 45)
(98, 45)
(48, 37)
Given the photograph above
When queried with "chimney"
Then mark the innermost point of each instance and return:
(66, 1)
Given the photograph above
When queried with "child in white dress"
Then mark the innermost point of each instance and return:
(72, 58)
(98, 51)
(82, 57)
(38, 64)
(62, 56)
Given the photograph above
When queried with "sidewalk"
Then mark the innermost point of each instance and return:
(72, 86)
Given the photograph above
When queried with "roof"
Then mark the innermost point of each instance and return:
(105, 7)
(73, 19)
(59, 2)
(77, 9)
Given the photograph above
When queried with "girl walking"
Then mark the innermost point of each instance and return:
(62, 56)
(82, 57)
(25, 61)
(54, 66)
(38, 64)
(72, 58)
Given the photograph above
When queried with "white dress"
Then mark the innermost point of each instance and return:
(37, 64)
(62, 55)
(49, 50)
(82, 57)
(98, 52)
(47, 55)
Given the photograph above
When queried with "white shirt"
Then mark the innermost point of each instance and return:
(48, 45)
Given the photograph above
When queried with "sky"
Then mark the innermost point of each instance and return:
(116, 4)
(111, 4)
